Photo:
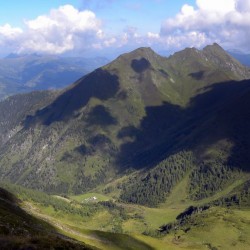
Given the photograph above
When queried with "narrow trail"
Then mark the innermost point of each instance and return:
(29, 208)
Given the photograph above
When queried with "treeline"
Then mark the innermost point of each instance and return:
(205, 179)
(85, 183)
(152, 188)
(70, 207)
(240, 196)
(210, 177)
(184, 220)
(48, 200)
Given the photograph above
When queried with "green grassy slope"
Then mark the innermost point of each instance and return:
(121, 226)
(140, 112)
(20, 230)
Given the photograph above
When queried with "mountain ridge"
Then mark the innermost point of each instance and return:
(131, 115)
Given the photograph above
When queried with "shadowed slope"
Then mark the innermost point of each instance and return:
(221, 112)
(19, 230)
(100, 84)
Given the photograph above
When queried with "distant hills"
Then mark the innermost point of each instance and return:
(25, 73)
(150, 119)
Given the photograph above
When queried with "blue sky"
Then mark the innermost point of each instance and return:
(130, 11)
(104, 27)
(146, 15)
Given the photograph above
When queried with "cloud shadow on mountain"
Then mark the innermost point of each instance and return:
(140, 65)
(101, 116)
(222, 111)
(99, 84)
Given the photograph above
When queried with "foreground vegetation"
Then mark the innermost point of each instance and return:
(176, 223)
(144, 153)
(21, 230)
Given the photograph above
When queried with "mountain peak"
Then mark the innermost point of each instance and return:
(212, 56)
(139, 60)
(216, 54)
(215, 49)
(214, 46)
(142, 52)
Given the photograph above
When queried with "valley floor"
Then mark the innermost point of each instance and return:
(215, 228)
(104, 222)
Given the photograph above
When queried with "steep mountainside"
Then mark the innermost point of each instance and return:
(25, 73)
(166, 117)
(19, 230)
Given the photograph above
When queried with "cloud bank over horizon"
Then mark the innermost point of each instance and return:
(62, 30)
(67, 29)
(225, 21)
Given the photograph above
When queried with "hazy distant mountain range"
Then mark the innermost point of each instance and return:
(25, 73)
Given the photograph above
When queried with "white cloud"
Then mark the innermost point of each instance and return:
(187, 10)
(67, 29)
(153, 35)
(62, 30)
(221, 6)
(110, 42)
(243, 5)
(9, 37)
(9, 32)
(223, 21)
